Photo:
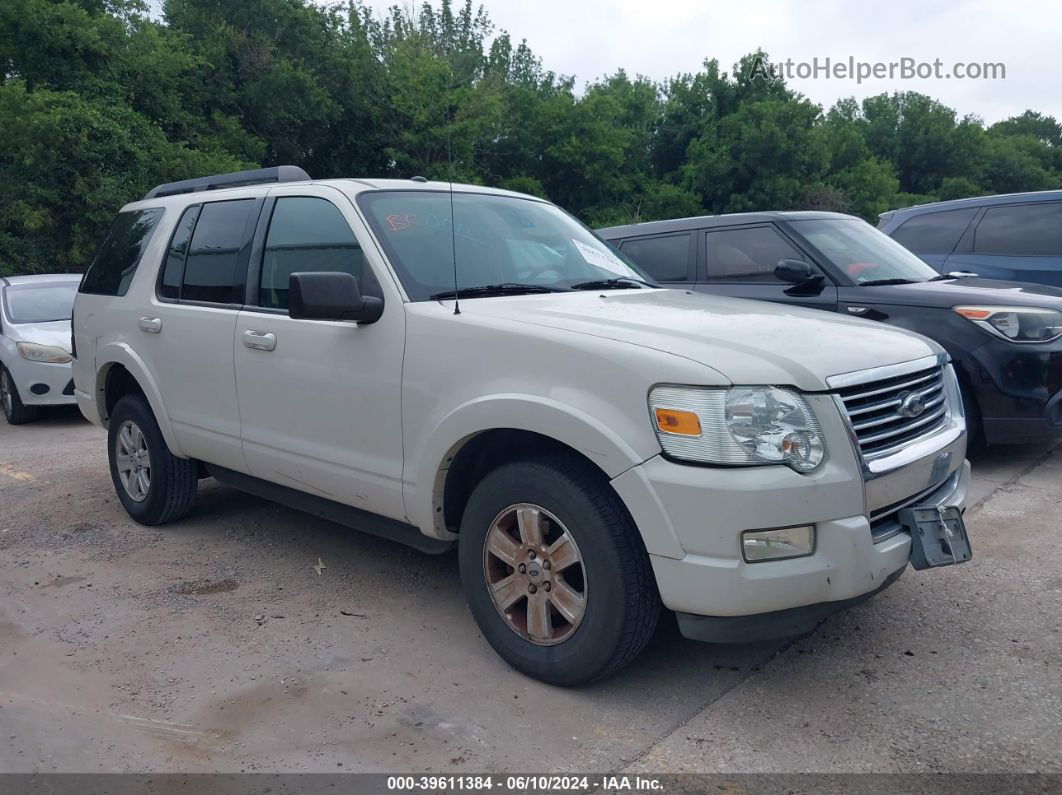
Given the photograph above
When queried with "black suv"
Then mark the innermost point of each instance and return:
(1005, 337)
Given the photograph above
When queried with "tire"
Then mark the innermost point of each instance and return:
(976, 441)
(619, 600)
(170, 481)
(15, 411)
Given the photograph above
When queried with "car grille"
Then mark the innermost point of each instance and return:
(874, 409)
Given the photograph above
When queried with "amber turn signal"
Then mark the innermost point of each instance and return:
(685, 423)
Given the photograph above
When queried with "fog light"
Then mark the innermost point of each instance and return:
(785, 542)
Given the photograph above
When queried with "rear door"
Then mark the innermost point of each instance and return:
(934, 236)
(185, 334)
(740, 262)
(320, 400)
(668, 258)
(1018, 242)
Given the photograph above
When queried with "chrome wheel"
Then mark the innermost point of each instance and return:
(6, 393)
(535, 574)
(133, 460)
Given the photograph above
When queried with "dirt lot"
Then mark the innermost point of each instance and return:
(214, 644)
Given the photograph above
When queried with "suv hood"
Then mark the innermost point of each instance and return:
(966, 290)
(748, 342)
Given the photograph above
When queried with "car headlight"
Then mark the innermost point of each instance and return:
(739, 426)
(1016, 323)
(35, 352)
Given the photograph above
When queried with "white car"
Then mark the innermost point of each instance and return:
(35, 343)
(594, 446)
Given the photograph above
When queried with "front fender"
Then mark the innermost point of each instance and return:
(120, 353)
(563, 423)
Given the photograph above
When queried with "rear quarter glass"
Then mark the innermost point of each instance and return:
(117, 259)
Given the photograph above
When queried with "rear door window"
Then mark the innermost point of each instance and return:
(173, 269)
(1021, 230)
(212, 271)
(113, 267)
(665, 258)
(934, 233)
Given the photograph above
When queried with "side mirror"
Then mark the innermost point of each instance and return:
(331, 296)
(795, 271)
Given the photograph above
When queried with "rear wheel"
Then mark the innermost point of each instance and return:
(15, 411)
(555, 572)
(153, 484)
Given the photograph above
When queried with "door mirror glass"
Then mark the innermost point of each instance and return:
(795, 271)
(331, 296)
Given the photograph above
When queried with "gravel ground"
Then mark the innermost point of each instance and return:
(215, 645)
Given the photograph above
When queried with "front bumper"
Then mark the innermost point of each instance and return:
(41, 383)
(1018, 390)
(691, 519)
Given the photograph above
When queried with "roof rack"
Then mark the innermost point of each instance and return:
(236, 179)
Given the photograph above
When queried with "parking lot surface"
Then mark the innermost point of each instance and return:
(252, 637)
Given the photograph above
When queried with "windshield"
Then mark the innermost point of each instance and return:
(40, 303)
(498, 240)
(863, 252)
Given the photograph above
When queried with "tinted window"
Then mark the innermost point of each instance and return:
(39, 303)
(934, 232)
(115, 263)
(666, 259)
(308, 234)
(173, 270)
(1021, 229)
(747, 255)
(211, 270)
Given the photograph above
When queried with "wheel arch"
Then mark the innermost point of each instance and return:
(121, 373)
(480, 435)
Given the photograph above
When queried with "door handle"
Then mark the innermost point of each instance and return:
(260, 340)
(152, 325)
(858, 310)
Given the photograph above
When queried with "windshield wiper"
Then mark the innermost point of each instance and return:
(619, 283)
(885, 282)
(483, 290)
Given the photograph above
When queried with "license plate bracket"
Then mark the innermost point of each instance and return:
(938, 536)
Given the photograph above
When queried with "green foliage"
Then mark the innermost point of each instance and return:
(99, 101)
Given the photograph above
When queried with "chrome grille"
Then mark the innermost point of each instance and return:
(875, 410)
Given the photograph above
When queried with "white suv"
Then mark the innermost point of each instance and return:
(593, 445)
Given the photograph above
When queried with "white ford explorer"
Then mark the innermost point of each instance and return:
(594, 446)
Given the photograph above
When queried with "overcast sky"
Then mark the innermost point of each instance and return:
(660, 38)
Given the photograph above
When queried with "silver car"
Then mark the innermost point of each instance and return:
(35, 343)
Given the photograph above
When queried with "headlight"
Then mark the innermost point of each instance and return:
(741, 426)
(1016, 323)
(52, 354)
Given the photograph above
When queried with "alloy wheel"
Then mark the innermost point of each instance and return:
(133, 460)
(535, 574)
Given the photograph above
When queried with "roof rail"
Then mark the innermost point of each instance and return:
(236, 179)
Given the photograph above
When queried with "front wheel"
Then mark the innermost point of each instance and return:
(15, 411)
(153, 484)
(555, 571)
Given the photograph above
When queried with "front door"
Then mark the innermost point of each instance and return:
(740, 262)
(320, 401)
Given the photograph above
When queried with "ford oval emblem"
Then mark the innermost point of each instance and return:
(912, 404)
